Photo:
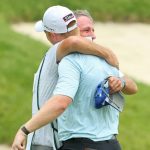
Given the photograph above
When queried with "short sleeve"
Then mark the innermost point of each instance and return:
(69, 76)
(113, 71)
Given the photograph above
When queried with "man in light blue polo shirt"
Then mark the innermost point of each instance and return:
(78, 78)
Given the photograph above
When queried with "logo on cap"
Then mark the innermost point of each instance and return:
(68, 17)
(49, 29)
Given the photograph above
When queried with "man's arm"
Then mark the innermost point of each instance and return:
(54, 107)
(66, 88)
(82, 45)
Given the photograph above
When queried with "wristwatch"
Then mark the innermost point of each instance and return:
(25, 130)
(123, 83)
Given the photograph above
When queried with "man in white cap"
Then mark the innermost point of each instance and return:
(59, 103)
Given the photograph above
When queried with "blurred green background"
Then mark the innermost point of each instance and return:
(21, 55)
(103, 10)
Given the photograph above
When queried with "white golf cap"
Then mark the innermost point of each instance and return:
(56, 19)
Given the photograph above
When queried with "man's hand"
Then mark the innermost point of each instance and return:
(112, 59)
(19, 141)
(115, 84)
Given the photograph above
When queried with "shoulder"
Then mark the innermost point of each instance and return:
(54, 47)
(72, 61)
(51, 53)
(74, 58)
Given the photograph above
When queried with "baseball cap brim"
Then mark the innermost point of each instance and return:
(39, 27)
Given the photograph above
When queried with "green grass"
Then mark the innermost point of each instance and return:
(19, 58)
(134, 121)
(102, 10)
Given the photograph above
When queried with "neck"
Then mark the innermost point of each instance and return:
(57, 39)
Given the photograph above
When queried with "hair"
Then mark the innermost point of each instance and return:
(79, 13)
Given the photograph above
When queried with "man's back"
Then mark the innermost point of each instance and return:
(79, 76)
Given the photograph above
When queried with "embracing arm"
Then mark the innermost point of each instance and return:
(50, 111)
(82, 45)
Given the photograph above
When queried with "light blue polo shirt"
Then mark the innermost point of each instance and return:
(79, 76)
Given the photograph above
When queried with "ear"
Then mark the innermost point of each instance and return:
(50, 36)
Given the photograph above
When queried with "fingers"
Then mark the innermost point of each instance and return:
(113, 62)
(24, 144)
(115, 84)
(117, 65)
(18, 147)
(112, 59)
(19, 141)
